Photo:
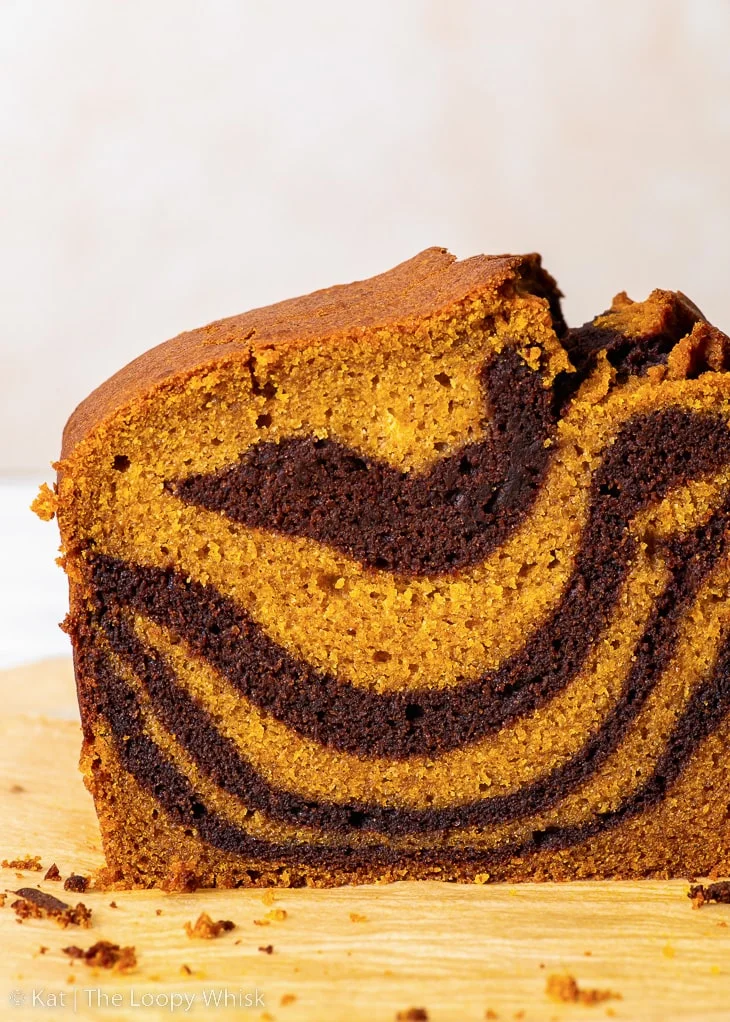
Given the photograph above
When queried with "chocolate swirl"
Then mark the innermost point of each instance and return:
(651, 455)
(439, 521)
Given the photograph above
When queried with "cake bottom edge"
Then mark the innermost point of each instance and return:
(685, 835)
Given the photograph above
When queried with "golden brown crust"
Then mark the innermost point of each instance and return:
(430, 283)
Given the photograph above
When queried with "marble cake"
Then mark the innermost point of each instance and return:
(406, 579)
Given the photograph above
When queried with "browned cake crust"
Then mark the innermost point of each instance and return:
(406, 579)
(431, 283)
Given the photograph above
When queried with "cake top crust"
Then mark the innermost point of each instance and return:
(431, 283)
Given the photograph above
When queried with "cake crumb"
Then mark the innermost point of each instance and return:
(3, 899)
(268, 949)
(412, 1015)
(34, 904)
(261, 922)
(186, 970)
(45, 503)
(206, 929)
(158, 911)
(490, 1014)
(566, 989)
(358, 917)
(700, 894)
(113, 904)
(42, 949)
(29, 862)
(104, 955)
(268, 896)
(277, 915)
(288, 999)
(76, 883)
(722, 923)
(668, 951)
(53, 872)
(16, 789)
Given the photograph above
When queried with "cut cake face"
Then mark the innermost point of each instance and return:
(405, 579)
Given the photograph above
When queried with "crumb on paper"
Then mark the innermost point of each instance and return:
(490, 1014)
(668, 951)
(32, 862)
(16, 789)
(76, 883)
(113, 904)
(53, 872)
(287, 999)
(206, 929)
(34, 904)
(158, 911)
(412, 1015)
(268, 896)
(186, 970)
(358, 917)
(565, 989)
(267, 949)
(104, 955)
(700, 894)
(277, 915)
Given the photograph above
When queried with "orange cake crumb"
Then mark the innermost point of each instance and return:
(105, 955)
(35, 904)
(30, 862)
(565, 988)
(206, 929)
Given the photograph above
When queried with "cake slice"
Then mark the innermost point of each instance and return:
(405, 579)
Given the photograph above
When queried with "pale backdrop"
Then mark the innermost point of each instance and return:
(164, 163)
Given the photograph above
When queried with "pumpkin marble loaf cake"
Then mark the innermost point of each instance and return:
(407, 579)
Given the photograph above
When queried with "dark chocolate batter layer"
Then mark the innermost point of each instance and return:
(652, 454)
(217, 756)
(448, 518)
(706, 710)
(465, 506)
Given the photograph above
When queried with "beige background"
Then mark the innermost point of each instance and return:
(165, 163)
